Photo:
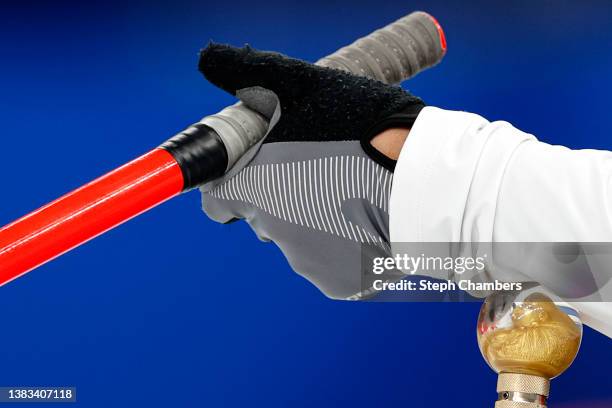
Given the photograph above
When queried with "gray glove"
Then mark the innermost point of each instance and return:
(314, 186)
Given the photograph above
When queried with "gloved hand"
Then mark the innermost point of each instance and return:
(316, 186)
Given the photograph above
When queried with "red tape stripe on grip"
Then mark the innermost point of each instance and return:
(87, 212)
(440, 33)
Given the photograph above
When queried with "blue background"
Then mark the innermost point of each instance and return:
(174, 310)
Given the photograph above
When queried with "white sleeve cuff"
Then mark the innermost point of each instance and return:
(448, 176)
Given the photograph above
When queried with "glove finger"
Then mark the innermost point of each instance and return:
(226, 211)
(218, 208)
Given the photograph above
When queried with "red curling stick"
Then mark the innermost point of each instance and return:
(200, 153)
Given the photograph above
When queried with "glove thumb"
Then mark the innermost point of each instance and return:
(231, 69)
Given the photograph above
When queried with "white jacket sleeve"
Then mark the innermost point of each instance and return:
(461, 178)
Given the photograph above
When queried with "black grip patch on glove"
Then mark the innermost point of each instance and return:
(317, 103)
